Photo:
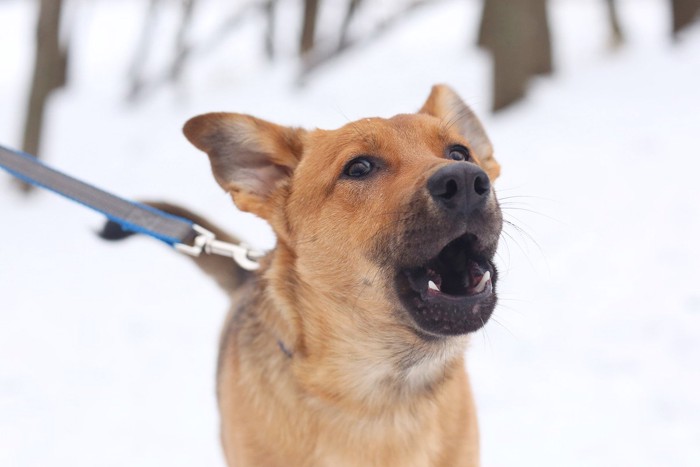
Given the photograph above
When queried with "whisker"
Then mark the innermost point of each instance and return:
(527, 235)
(531, 211)
(499, 191)
(500, 256)
(508, 307)
(507, 234)
(493, 318)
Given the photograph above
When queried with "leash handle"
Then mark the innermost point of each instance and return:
(180, 233)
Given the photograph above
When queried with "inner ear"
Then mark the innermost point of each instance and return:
(250, 158)
(445, 104)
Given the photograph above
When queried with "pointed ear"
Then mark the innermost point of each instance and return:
(250, 158)
(446, 105)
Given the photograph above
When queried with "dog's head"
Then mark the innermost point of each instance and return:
(382, 222)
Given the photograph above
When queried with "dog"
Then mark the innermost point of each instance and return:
(346, 347)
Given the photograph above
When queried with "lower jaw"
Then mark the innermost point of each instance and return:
(435, 321)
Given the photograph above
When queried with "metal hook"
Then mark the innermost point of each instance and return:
(206, 242)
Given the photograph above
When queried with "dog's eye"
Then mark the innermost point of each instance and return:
(458, 153)
(358, 167)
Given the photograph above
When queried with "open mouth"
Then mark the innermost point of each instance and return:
(452, 293)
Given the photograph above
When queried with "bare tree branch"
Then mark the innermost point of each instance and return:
(616, 36)
(182, 49)
(136, 74)
(186, 52)
(320, 58)
(353, 5)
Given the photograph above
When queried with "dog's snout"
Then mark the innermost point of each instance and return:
(459, 187)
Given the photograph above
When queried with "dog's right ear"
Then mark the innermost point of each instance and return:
(250, 158)
(445, 104)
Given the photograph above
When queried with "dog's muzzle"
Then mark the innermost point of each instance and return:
(450, 286)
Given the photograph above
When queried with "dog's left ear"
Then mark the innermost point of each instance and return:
(445, 104)
(250, 158)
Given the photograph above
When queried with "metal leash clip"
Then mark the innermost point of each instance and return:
(206, 242)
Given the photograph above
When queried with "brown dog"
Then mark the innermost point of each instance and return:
(346, 348)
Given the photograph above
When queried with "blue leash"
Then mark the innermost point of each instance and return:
(178, 232)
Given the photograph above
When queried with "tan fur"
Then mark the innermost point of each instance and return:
(359, 386)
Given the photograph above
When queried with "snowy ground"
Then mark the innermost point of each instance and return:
(592, 359)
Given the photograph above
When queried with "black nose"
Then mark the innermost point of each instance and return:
(460, 187)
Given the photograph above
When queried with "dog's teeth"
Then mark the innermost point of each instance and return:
(482, 283)
(431, 285)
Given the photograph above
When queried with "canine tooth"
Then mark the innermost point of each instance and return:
(431, 285)
(482, 283)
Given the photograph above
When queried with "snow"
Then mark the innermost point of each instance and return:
(107, 352)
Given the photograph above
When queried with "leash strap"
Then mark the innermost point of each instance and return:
(178, 232)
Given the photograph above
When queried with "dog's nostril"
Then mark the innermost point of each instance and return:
(481, 184)
(459, 187)
(451, 189)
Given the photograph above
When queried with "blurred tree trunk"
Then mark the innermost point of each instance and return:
(684, 13)
(616, 36)
(517, 36)
(50, 65)
(269, 7)
(308, 30)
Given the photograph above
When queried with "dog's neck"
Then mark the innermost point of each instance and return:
(369, 369)
(389, 380)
